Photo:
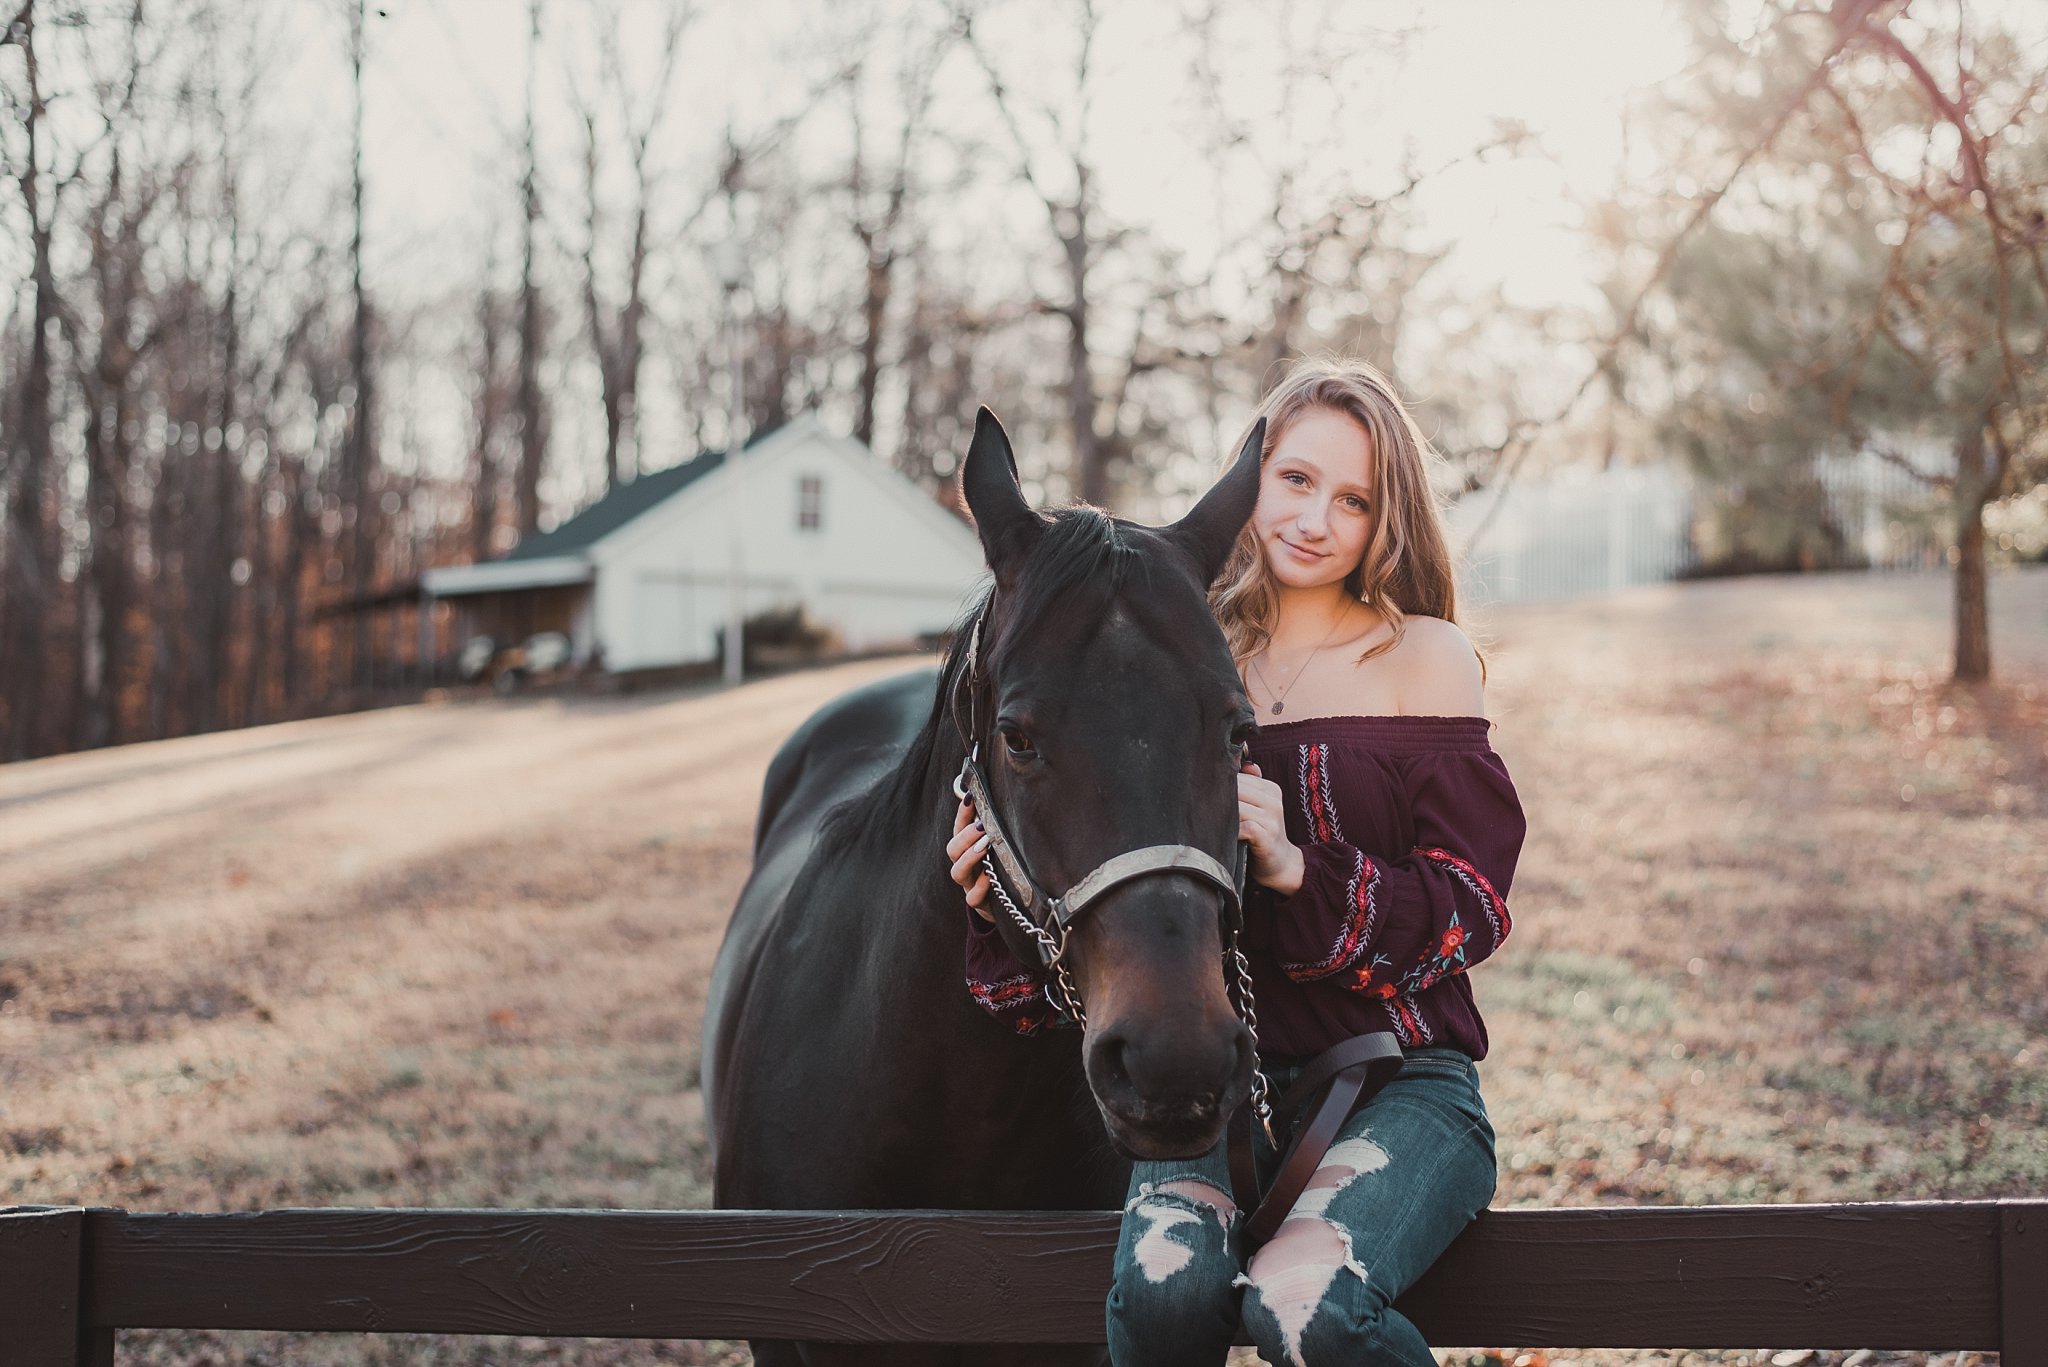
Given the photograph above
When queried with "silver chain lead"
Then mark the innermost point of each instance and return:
(1054, 952)
(1262, 1106)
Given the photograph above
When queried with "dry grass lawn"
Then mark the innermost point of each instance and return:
(1782, 935)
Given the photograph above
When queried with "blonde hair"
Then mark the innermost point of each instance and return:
(1406, 567)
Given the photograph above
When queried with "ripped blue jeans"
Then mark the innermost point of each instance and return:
(1406, 1174)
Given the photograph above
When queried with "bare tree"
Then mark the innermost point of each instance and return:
(1888, 291)
(359, 482)
(488, 405)
(31, 568)
(532, 403)
(616, 331)
(1073, 209)
(881, 192)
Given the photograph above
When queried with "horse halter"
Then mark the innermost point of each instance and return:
(1049, 919)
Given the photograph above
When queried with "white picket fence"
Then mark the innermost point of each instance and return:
(1586, 531)
(1575, 533)
(1891, 516)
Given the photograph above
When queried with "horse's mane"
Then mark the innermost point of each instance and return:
(1079, 566)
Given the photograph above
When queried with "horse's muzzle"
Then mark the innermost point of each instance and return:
(1166, 1102)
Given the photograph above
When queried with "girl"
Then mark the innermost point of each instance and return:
(1383, 833)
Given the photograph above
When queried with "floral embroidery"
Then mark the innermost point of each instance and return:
(1448, 958)
(1361, 903)
(1497, 918)
(999, 996)
(1409, 1026)
(1449, 954)
(1018, 1002)
(1361, 919)
(1315, 793)
(1362, 978)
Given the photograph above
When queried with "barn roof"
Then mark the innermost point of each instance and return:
(623, 504)
(615, 509)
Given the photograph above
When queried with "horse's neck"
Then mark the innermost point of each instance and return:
(926, 901)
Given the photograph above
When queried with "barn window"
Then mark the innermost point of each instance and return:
(810, 502)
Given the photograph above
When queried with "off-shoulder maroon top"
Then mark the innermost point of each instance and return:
(1410, 829)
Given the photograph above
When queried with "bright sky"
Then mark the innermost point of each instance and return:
(447, 82)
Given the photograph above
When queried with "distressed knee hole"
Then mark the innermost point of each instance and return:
(1302, 1241)
(1167, 1207)
(1293, 1273)
(1202, 1193)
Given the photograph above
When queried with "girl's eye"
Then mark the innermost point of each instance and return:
(1296, 478)
(1357, 504)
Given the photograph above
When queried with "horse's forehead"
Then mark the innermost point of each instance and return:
(1155, 626)
(1129, 638)
(1143, 634)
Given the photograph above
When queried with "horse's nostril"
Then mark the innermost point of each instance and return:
(1109, 1066)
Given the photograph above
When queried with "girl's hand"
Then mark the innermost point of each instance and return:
(965, 849)
(1261, 822)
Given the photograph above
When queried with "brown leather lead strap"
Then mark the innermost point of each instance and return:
(1340, 1080)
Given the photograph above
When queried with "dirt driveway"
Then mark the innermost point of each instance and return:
(395, 957)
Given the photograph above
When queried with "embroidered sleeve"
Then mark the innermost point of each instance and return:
(1001, 984)
(1392, 927)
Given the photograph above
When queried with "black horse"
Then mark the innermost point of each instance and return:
(845, 1065)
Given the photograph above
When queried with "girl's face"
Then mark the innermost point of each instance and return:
(1315, 507)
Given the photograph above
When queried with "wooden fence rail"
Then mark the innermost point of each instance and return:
(1921, 1275)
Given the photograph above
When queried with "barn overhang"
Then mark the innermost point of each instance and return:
(502, 576)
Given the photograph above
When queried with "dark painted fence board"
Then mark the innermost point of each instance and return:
(1913, 1275)
(40, 1255)
(891, 1278)
(2023, 1283)
(1907, 1275)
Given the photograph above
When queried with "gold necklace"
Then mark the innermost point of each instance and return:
(1280, 698)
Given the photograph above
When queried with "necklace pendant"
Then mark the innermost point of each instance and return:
(1276, 709)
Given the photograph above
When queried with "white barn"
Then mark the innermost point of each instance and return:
(641, 579)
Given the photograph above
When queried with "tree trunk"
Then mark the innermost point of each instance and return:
(359, 491)
(291, 580)
(260, 612)
(484, 503)
(1973, 489)
(104, 587)
(874, 305)
(532, 425)
(1091, 479)
(216, 581)
(31, 564)
(166, 660)
(626, 424)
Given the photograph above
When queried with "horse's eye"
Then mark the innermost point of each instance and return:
(1241, 734)
(1015, 741)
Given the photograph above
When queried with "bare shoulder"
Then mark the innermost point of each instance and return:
(1438, 670)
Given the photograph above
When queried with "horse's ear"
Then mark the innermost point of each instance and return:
(1008, 526)
(1210, 529)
